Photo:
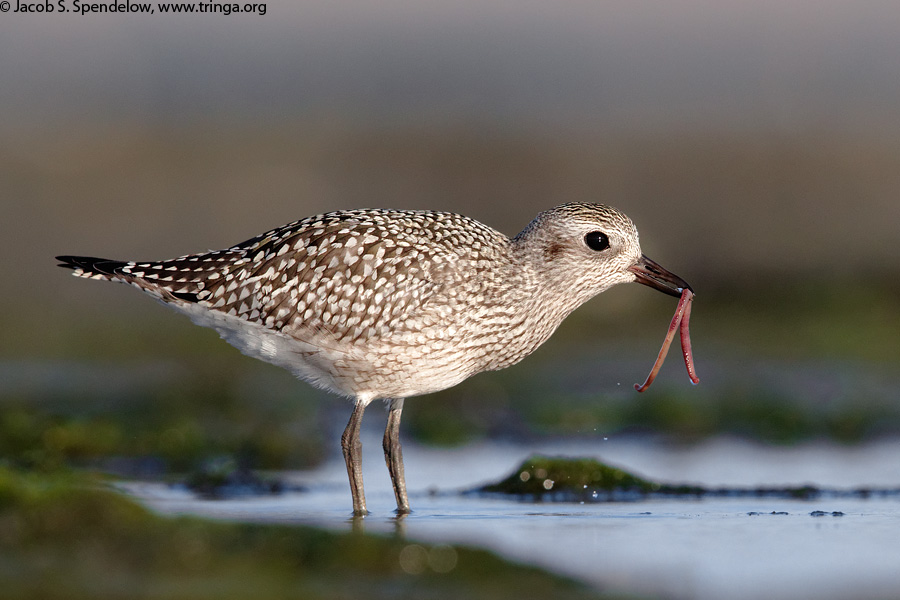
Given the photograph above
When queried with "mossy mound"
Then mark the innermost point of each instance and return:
(570, 477)
(563, 479)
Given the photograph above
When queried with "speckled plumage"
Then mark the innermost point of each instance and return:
(390, 304)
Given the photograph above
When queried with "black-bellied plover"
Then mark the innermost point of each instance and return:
(388, 304)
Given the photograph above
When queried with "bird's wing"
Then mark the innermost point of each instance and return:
(357, 275)
(344, 275)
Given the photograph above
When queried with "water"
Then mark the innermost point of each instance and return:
(677, 548)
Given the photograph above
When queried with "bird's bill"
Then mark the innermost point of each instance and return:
(650, 273)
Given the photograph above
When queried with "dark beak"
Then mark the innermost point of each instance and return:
(649, 273)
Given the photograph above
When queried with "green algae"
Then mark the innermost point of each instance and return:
(539, 475)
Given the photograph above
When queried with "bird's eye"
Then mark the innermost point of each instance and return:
(597, 240)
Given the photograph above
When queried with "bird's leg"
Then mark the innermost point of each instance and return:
(352, 448)
(393, 456)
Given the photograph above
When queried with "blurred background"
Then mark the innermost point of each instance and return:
(756, 145)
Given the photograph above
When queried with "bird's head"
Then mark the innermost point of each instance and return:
(595, 247)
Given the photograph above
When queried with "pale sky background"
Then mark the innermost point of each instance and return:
(780, 65)
(741, 136)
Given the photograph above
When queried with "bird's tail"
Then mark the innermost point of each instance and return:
(92, 268)
(156, 278)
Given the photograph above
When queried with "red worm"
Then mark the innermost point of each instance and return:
(686, 339)
(680, 320)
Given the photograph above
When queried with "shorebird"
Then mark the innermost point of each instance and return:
(388, 304)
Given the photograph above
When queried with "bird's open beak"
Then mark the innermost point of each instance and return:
(649, 273)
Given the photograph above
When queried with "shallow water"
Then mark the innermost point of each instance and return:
(710, 548)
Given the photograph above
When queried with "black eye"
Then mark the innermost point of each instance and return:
(597, 240)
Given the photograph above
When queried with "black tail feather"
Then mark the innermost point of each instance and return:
(90, 264)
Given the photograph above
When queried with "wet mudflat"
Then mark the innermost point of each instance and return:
(714, 547)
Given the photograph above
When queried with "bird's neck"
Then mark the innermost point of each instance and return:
(544, 299)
